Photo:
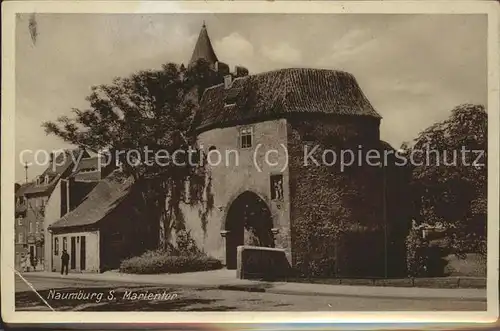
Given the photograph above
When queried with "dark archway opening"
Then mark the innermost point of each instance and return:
(248, 222)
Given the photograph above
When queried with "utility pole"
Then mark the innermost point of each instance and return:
(385, 216)
(26, 171)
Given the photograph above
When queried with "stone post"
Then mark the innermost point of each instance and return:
(275, 232)
(224, 234)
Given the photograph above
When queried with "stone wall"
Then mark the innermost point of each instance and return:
(262, 263)
(331, 203)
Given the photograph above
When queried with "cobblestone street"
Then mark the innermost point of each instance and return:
(121, 298)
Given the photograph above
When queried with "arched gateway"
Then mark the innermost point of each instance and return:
(248, 222)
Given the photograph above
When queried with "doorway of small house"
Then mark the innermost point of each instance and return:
(72, 258)
(248, 222)
(83, 252)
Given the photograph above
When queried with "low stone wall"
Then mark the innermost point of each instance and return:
(434, 282)
(262, 263)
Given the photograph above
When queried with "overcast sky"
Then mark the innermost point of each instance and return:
(413, 68)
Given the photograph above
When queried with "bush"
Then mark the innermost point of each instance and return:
(156, 262)
(186, 245)
(185, 257)
(462, 244)
(424, 259)
(416, 257)
(472, 265)
(317, 257)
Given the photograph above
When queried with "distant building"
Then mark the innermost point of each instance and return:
(56, 191)
(67, 194)
(21, 225)
(101, 231)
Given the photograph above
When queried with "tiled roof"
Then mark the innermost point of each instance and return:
(88, 163)
(87, 176)
(21, 209)
(280, 92)
(22, 189)
(203, 48)
(103, 199)
(55, 170)
(88, 169)
(68, 156)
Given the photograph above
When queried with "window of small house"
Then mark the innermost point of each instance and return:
(20, 221)
(56, 246)
(36, 227)
(31, 227)
(246, 137)
(277, 187)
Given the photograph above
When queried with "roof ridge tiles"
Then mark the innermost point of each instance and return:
(292, 90)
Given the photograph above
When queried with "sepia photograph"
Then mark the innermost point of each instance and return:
(223, 159)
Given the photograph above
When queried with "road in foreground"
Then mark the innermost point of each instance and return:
(105, 296)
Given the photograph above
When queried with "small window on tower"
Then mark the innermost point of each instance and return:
(246, 135)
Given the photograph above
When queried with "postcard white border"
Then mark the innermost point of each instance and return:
(10, 8)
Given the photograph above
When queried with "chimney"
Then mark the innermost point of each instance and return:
(108, 163)
(240, 71)
(222, 68)
(228, 79)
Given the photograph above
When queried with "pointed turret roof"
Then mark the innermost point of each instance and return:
(203, 48)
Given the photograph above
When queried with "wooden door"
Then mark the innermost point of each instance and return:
(82, 253)
(72, 257)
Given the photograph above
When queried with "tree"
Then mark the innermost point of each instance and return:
(141, 120)
(449, 176)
